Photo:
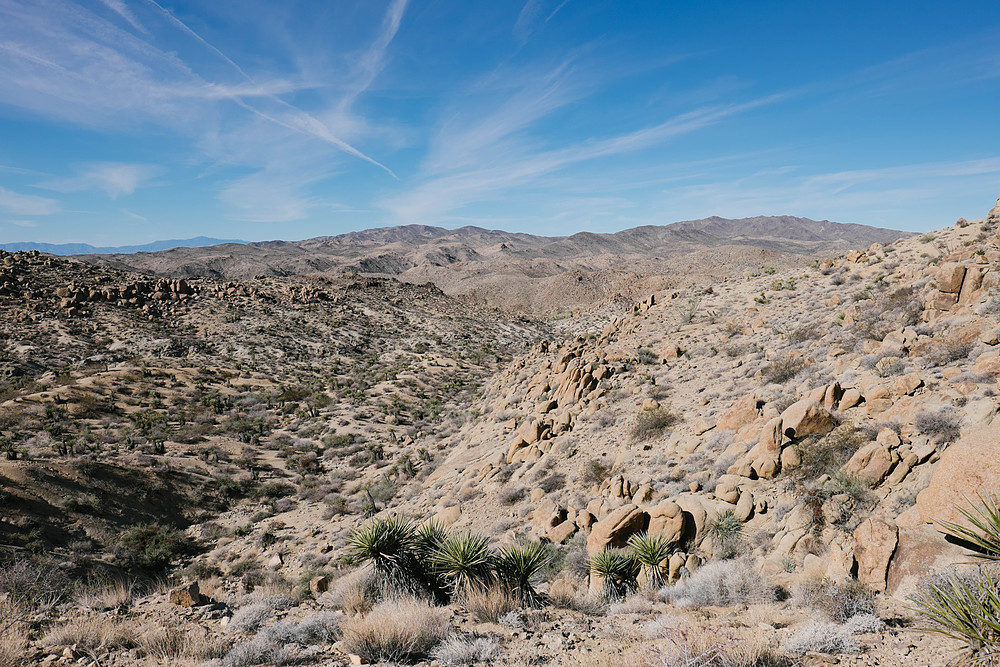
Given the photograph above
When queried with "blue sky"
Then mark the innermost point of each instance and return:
(126, 121)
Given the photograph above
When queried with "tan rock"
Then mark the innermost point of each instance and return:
(319, 584)
(806, 417)
(875, 542)
(701, 426)
(937, 300)
(741, 413)
(967, 467)
(987, 363)
(907, 384)
(850, 398)
(950, 278)
(615, 529)
(449, 515)
(186, 596)
(561, 532)
(872, 463)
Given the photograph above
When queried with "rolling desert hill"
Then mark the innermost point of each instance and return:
(521, 271)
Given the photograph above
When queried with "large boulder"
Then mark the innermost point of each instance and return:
(615, 529)
(741, 413)
(806, 417)
(968, 467)
(875, 542)
(950, 278)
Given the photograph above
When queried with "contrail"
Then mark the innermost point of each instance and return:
(309, 125)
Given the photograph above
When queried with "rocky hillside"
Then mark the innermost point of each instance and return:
(522, 272)
(794, 434)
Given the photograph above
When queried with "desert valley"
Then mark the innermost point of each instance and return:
(750, 460)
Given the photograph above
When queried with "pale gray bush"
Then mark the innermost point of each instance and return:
(822, 637)
(249, 618)
(722, 584)
(862, 624)
(466, 651)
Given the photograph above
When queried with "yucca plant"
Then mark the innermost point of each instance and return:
(619, 570)
(428, 540)
(518, 566)
(964, 609)
(388, 545)
(651, 550)
(465, 561)
(984, 533)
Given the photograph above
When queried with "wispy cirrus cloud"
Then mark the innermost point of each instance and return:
(22, 204)
(117, 179)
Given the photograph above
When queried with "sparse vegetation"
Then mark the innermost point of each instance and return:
(652, 423)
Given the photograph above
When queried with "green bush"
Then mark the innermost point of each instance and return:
(152, 546)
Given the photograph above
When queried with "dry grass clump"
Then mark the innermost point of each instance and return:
(13, 635)
(396, 631)
(943, 425)
(177, 643)
(487, 606)
(679, 643)
(108, 596)
(276, 645)
(93, 633)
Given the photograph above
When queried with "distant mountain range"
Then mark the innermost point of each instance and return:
(87, 249)
(523, 270)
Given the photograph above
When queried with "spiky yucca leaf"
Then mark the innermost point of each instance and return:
(388, 546)
(517, 566)
(984, 533)
(466, 561)
(429, 539)
(964, 610)
(651, 549)
(619, 570)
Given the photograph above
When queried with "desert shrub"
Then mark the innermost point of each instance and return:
(781, 371)
(942, 425)
(647, 356)
(467, 651)
(652, 423)
(152, 546)
(722, 584)
(822, 637)
(633, 604)
(837, 601)
(595, 472)
(862, 624)
(947, 350)
(510, 495)
(250, 618)
(32, 584)
(553, 482)
(983, 530)
(881, 311)
(396, 631)
(965, 608)
(170, 644)
(619, 570)
(274, 645)
(825, 455)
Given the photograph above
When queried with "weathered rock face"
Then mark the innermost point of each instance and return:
(615, 529)
(806, 417)
(186, 596)
(743, 412)
(968, 467)
(875, 542)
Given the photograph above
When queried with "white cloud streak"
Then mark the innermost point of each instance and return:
(22, 204)
(114, 178)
